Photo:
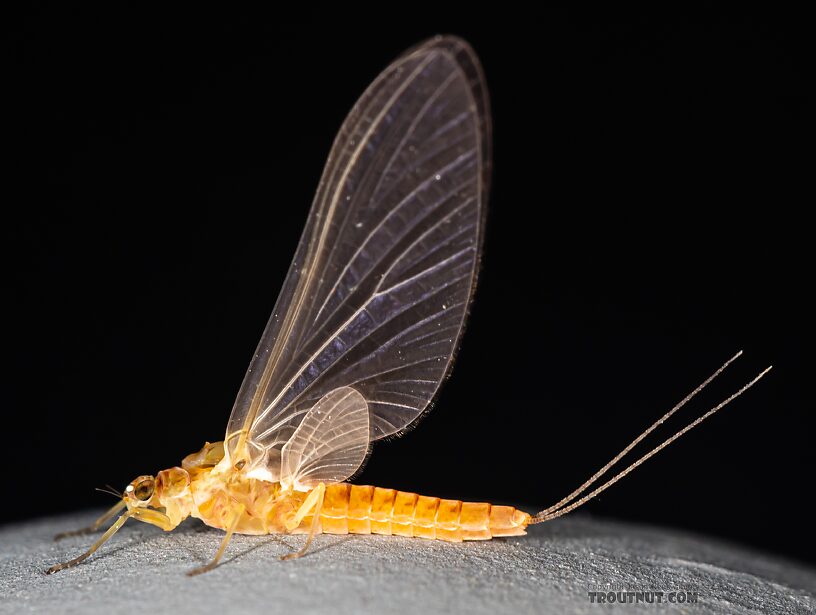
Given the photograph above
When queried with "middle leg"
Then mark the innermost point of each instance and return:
(313, 502)
(237, 512)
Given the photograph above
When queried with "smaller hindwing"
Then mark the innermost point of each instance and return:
(330, 444)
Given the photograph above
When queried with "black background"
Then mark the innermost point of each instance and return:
(652, 176)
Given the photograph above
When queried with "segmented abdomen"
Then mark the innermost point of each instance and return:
(358, 509)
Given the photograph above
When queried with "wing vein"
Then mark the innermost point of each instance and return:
(350, 320)
(383, 174)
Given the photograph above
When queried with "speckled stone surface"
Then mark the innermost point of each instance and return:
(552, 570)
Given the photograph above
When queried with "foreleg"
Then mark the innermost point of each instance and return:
(154, 517)
(95, 525)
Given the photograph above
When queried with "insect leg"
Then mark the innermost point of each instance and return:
(238, 511)
(102, 540)
(313, 502)
(153, 517)
(95, 525)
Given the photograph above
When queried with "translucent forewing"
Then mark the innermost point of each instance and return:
(378, 291)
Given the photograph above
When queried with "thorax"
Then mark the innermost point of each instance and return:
(218, 495)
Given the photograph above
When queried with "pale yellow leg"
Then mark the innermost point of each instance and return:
(102, 540)
(238, 511)
(154, 517)
(95, 525)
(314, 502)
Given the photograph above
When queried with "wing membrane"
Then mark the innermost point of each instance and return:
(330, 444)
(378, 291)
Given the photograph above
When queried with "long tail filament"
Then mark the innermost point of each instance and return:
(569, 503)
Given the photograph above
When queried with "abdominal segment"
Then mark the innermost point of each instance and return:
(357, 509)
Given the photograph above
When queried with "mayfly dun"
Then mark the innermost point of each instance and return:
(364, 332)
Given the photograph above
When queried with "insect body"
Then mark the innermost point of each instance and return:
(199, 489)
(364, 331)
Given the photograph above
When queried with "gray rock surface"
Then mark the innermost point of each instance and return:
(552, 570)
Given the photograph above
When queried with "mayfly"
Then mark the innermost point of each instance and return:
(363, 333)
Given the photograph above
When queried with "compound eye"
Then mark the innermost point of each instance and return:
(143, 490)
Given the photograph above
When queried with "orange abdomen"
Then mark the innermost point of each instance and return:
(358, 509)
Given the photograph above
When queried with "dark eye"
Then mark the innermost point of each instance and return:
(144, 490)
